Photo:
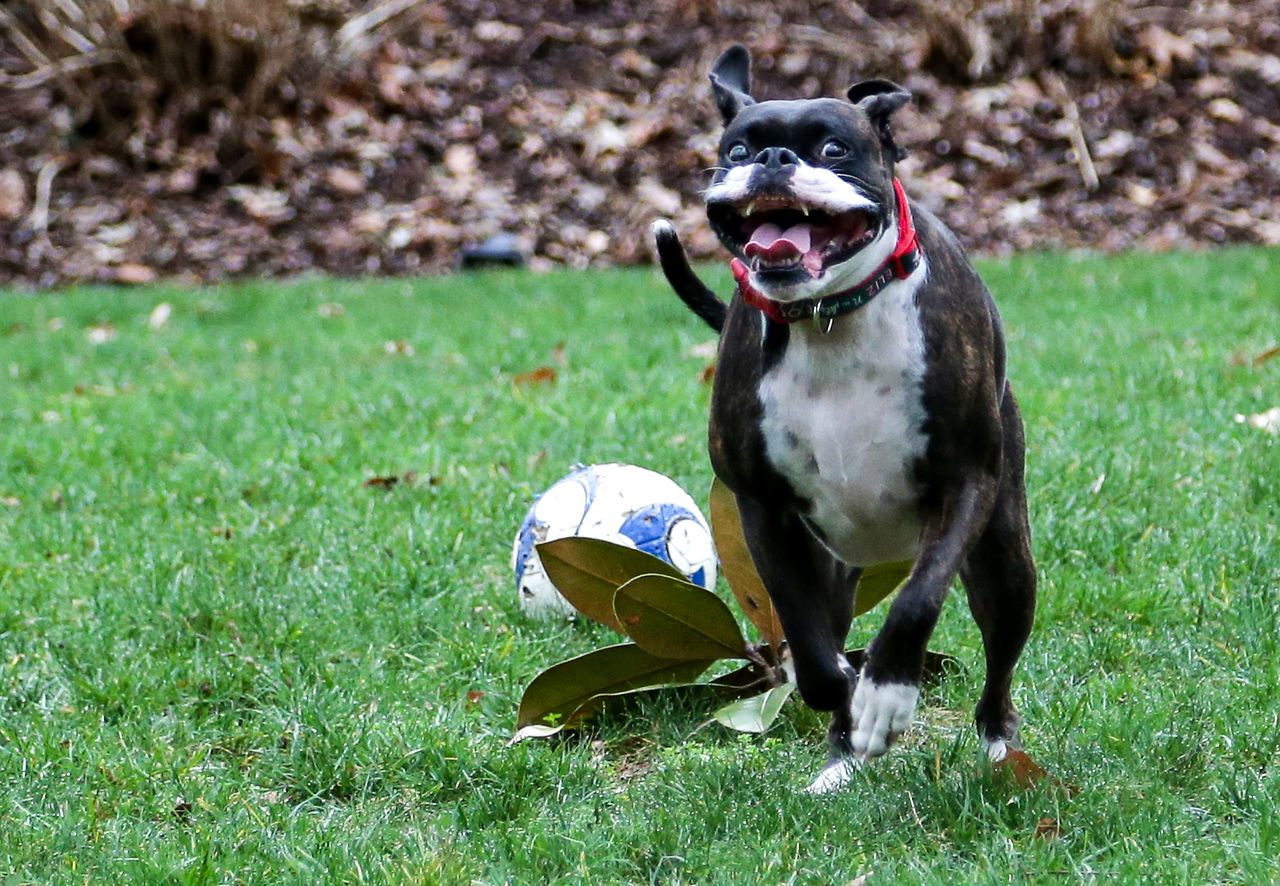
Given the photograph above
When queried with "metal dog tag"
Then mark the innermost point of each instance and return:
(824, 323)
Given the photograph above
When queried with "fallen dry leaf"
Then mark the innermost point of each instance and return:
(345, 181)
(159, 315)
(133, 274)
(1018, 768)
(13, 194)
(1266, 356)
(540, 376)
(262, 204)
(1048, 829)
(390, 480)
(100, 333)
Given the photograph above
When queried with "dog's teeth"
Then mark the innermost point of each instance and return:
(804, 207)
(751, 208)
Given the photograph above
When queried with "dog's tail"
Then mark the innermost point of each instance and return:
(675, 265)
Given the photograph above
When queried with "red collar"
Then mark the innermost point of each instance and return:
(905, 259)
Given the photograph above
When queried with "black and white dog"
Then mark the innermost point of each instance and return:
(860, 410)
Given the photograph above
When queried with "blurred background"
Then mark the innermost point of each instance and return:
(201, 140)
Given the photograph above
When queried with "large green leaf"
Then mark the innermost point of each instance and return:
(878, 582)
(737, 566)
(567, 692)
(588, 571)
(756, 713)
(674, 618)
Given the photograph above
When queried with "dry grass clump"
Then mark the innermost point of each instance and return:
(980, 40)
(148, 75)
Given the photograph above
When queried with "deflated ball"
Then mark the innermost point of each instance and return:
(624, 504)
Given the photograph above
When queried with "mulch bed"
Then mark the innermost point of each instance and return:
(1094, 124)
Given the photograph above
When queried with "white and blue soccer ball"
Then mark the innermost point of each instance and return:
(624, 504)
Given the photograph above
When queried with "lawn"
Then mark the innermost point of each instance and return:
(257, 623)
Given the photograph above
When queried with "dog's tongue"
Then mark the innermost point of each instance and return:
(772, 243)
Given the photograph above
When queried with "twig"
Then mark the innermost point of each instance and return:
(825, 40)
(856, 14)
(1071, 111)
(56, 69)
(914, 813)
(25, 44)
(38, 59)
(73, 38)
(367, 21)
(39, 219)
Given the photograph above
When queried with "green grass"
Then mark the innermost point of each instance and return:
(224, 659)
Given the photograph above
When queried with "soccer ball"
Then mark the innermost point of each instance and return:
(624, 504)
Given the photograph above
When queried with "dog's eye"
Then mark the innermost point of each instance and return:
(738, 153)
(834, 150)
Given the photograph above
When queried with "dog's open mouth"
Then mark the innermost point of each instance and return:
(779, 234)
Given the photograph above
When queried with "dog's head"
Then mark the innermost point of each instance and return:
(803, 190)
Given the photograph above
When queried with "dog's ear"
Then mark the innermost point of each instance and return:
(731, 81)
(880, 98)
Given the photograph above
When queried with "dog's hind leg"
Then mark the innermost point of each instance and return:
(1000, 581)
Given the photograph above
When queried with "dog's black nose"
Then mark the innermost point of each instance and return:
(777, 157)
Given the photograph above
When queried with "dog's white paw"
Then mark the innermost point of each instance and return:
(881, 712)
(995, 750)
(832, 778)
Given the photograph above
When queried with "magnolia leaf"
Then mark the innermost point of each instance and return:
(737, 566)
(674, 618)
(588, 571)
(567, 692)
(878, 582)
(757, 713)
(535, 730)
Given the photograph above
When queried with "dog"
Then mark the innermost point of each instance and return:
(860, 410)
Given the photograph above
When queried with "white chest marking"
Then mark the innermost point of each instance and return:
(843, 421)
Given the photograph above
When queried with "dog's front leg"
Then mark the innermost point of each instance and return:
(884, 701)
(812, 593)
